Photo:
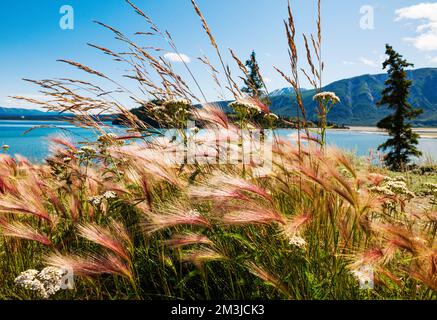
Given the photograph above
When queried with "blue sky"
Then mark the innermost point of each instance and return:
(32, 40)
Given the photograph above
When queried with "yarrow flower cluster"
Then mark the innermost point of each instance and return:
(109, 195)
(107, 138)
(392, 187)
(177, 101)
(45, 283)
(400, 188)
(327, 96)
(364, 275)
(297, 241)
(87, 149)
(430, 188)
(384, 191)
(97, 200)
(245, 104)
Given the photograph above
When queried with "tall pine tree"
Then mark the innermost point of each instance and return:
(253, 85)
(403, 141)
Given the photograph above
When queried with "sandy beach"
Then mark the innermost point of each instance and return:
(430, 133)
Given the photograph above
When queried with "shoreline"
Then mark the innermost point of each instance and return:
(424, 133)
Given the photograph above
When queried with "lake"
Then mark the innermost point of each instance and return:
(35, 144)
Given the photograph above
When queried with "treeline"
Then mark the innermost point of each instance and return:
(281, 122)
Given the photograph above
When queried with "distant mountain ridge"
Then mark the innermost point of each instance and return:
(17, 112)
(284, 91)
(359, 95)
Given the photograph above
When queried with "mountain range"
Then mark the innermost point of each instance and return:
(358, 96)
(17, 112)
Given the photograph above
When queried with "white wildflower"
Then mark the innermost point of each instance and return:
(108, 137)
(87, 149)
(245, 104)
(365, 276)
(400, 178)
(326, 96)
(45, 283)
(297, 241)
(109, 195)
(394, 186)
(177, 101)
(382, 191)
(28, 274)
(400, 188)
(431, 188)
(51, 277)
(96, 200)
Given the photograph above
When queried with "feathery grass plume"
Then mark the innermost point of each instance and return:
(296, 224)
(213, 115)
(428, 277)
(7, 185)
(64, 141)
(268, 278)
(176, 215)
(201, 256)
(237, 184)
(188, 238)
(114, 237)
(344, 188)
(29, 204)
(369, 257)
(157, 161)
(294, 81)
(341, 158)
(402, 238)
(212, 192)
(21, 230)
(91, 265)
(375, 179)
(250, 213)
(83, 67)
(421, 250)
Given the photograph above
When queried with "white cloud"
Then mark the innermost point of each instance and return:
(426, 13)
(369, 62)
(349, 63)
(374, 63)
(267, 80)
(174, 57)
(433, 60)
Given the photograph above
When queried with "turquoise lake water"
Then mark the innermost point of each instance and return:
(35, 144)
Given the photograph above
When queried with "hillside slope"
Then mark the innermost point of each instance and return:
(359, 96)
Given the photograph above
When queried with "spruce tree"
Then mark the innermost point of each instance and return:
(403, 141)
(253, 85)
